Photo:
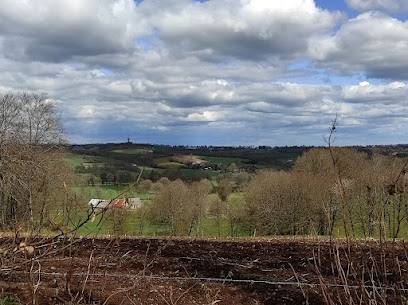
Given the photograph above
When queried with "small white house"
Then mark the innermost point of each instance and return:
(133, 203)
(98, 203)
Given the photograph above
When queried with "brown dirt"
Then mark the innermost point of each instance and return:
(201, 271)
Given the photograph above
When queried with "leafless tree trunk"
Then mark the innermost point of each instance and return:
(30, 135)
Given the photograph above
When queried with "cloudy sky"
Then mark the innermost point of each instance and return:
(216, 72)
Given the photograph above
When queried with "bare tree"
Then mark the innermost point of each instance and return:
(145, 186)
(30, 160)
(218, 210)
(9, 115)
(198, 201)
(224, 189)
(170, 207)
(40, 124)
(284, 203)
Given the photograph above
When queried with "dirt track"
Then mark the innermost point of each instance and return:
(198, 271)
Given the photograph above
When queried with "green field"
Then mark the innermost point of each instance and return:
(108, 192)
(75, 160)
(171, 165)
(222, 160)
(134, 225)
(135, 151)
(197, 174)
(167, 164)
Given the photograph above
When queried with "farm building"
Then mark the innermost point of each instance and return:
(131, 203)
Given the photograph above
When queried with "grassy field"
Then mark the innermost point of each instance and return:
(108, 192)
(197, 174)
(75, 160)
(135, 151)
(167, 164)
(222, 160)
(134, 225)
(171, 165)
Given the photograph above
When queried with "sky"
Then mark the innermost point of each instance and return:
(216, 72)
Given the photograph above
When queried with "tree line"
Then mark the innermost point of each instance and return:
(329, 191)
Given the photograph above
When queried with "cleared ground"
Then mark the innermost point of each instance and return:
(202, 271)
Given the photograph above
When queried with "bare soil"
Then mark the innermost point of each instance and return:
(202, 271)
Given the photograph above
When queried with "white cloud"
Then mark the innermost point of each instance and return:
(205, 116)
(86, 112)
(391, 93)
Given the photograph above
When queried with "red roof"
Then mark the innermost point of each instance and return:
(118, 203)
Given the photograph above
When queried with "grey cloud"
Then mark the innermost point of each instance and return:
(49, 30)
(390, 6)
(203, 73)
(373, 43)
(253, 29)
(287, 94)
(222, 92)
(215, 30)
